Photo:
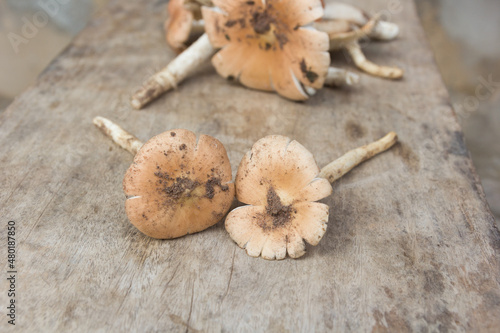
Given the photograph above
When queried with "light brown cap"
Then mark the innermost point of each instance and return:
(279, 180)
(267, 46)
(178, 25)
(178, 186)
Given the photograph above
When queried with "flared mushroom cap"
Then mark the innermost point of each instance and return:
(178, 186)
(279, 180)
(178, 25)
(267, 46)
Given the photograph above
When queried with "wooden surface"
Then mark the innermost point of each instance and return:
(411, 244)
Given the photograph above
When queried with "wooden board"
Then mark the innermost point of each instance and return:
(411, 243)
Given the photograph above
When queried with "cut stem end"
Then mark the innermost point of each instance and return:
(176, 71)
(119, 136)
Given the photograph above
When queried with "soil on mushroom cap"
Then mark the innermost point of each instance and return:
(280, 214)
(210, 187)
(261, 22)
(179, 188)
(310, 75)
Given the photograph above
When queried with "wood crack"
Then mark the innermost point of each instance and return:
(190, 310)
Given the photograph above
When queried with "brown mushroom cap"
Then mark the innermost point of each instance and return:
(177, 186)
(266, 46)
(279, 179)
(178, 25)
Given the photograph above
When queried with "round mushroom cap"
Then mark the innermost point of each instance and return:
(178, 185)
(279, 180)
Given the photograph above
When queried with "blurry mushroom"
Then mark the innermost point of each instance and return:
(346, 25)
(267, 45)
(280, 181)
(177, 184)
(184, 21)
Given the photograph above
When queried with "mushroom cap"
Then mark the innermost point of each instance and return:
(178, 186)
(279, 180)
(178, 25)
(267, 46)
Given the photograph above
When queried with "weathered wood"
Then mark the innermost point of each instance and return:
(411, 244)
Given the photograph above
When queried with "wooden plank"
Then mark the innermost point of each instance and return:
(411, 244)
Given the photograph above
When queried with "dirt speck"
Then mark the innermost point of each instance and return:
(210, 187)
(261, 22)
(310, 75)
(183, 147)
(173, 134)
(182, 186)
(282, 39)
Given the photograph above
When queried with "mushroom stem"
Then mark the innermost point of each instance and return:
(176, 71)
(340, 40)
(345, 163)
(119, 136)
(369, 67)
(197, 27)
(337, 77)
(385, 31)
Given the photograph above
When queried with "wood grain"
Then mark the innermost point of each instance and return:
(411, 243)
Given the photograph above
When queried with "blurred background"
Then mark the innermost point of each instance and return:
(464, 35)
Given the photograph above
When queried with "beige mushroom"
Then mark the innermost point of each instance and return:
(178, 184)
(184, 21)
(265, 45)
(346, 25)
(281, 182)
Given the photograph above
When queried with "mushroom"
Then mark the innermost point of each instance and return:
(184, 21)
(265, 45)
(346, 25)
(280, 182)
(178, 184)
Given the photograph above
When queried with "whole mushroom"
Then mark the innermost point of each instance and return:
(265, 45)
(280, 182)
(178, 184)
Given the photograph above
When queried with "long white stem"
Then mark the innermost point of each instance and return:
(337, 77)
(364, 64)
(119, 136)
(344, 164)
(176, 71)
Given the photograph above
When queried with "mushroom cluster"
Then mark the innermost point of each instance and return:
(270, 45)
(280, 182)
(266, 45)
(178, 186)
